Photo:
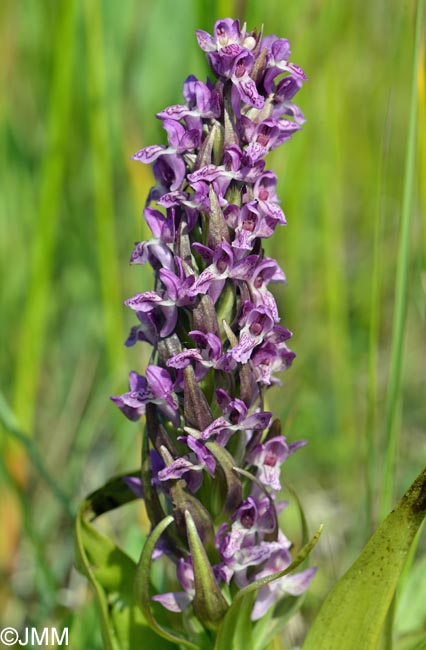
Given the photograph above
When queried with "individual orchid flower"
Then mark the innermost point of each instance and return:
(155, 388)
(268, 458)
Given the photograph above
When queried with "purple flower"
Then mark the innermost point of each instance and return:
(213, 277)
(208, 354)
(236, 417)
(180, 141)
(268, 458)
(293, 584)
(170, 172)
(177, 601)
(155, 388)
(211, 454)
(252, 225)
(148, 329)
(277, 61)
(244, 545)
(202, 101)
(255, 324)
(226, 32)
(258, 272)
(272, 356)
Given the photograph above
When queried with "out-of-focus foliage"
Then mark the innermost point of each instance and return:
(80, 82)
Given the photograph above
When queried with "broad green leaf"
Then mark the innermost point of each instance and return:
(111, 573)
(353, 614)
(413, 642)
(232, 635)
(411, 611)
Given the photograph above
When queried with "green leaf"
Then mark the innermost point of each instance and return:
(353, 614)
(236, 631)
(83, 625)
(10, 422)
(234, 635)
(411, 614)
(413, 642)
(142, 583)
(111, 573)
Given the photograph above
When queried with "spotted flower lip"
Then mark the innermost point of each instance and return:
(212, 453)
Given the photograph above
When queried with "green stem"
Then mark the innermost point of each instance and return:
(399, 317)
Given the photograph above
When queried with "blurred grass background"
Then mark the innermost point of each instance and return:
(80, 82)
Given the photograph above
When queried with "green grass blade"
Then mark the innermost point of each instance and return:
(106, 247)
(401, 289)
(374, 335)
(39, 299)
(422, 138)
(47, 582)
(9, 421)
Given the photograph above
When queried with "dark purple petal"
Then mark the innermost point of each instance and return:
(216, 427)
(184, 358)
(149, 154)
(203, 455)
(144, 301)
(205, 40)
(208, 173)
(170, 171)
(248, 91)
(161, 384)
(297, 71)
(177, 469)
(137, 382)
(132, 412)
(176, 112)
(281, 49)
(227, 31)
(175, 132)
(258, 421)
